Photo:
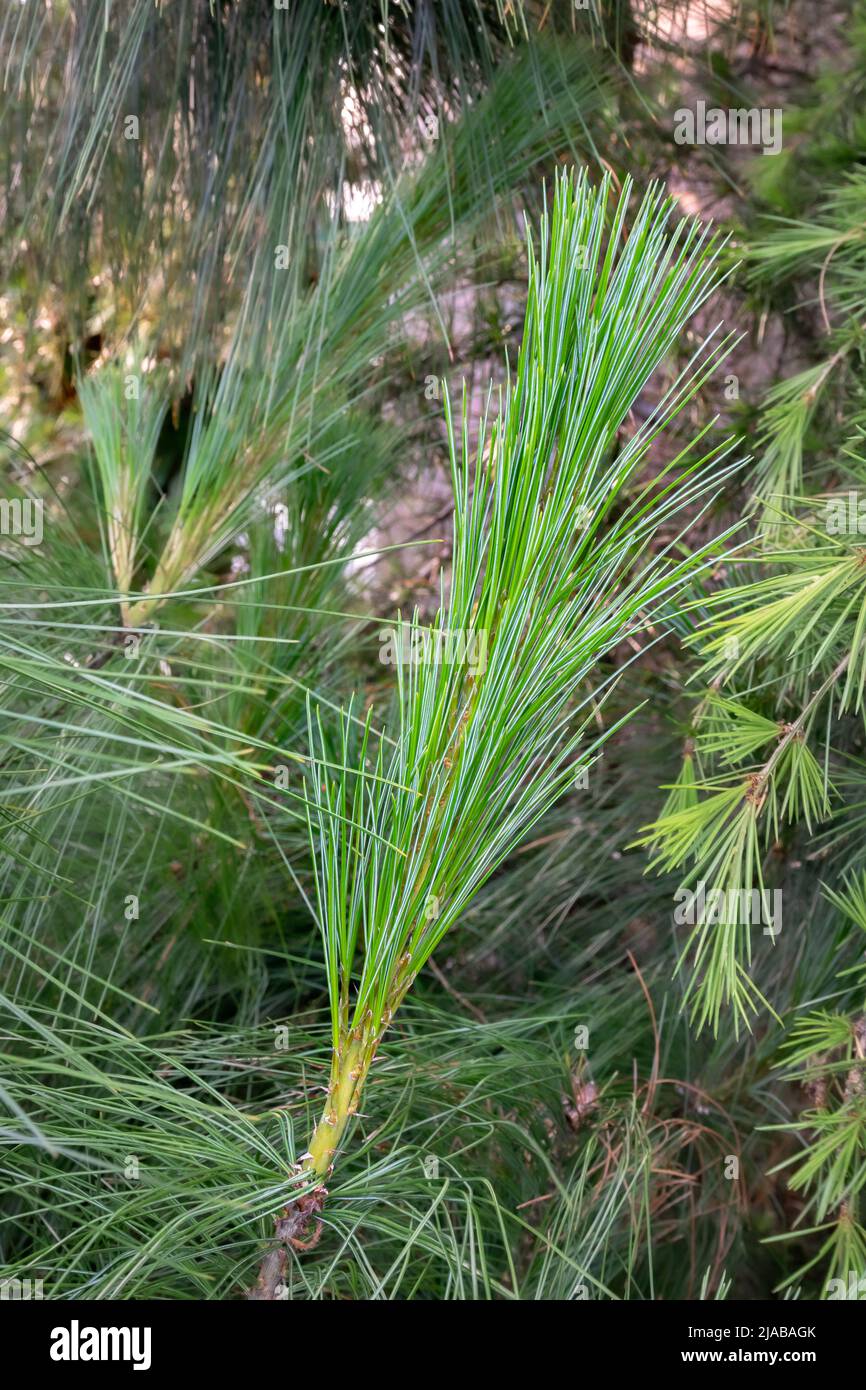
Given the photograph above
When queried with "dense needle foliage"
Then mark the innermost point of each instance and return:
(402, 621)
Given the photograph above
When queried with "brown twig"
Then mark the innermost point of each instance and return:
(290, 1229)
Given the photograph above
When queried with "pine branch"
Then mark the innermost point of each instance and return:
(484, 746)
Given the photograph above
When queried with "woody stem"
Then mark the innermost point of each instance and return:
(349, 1068)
